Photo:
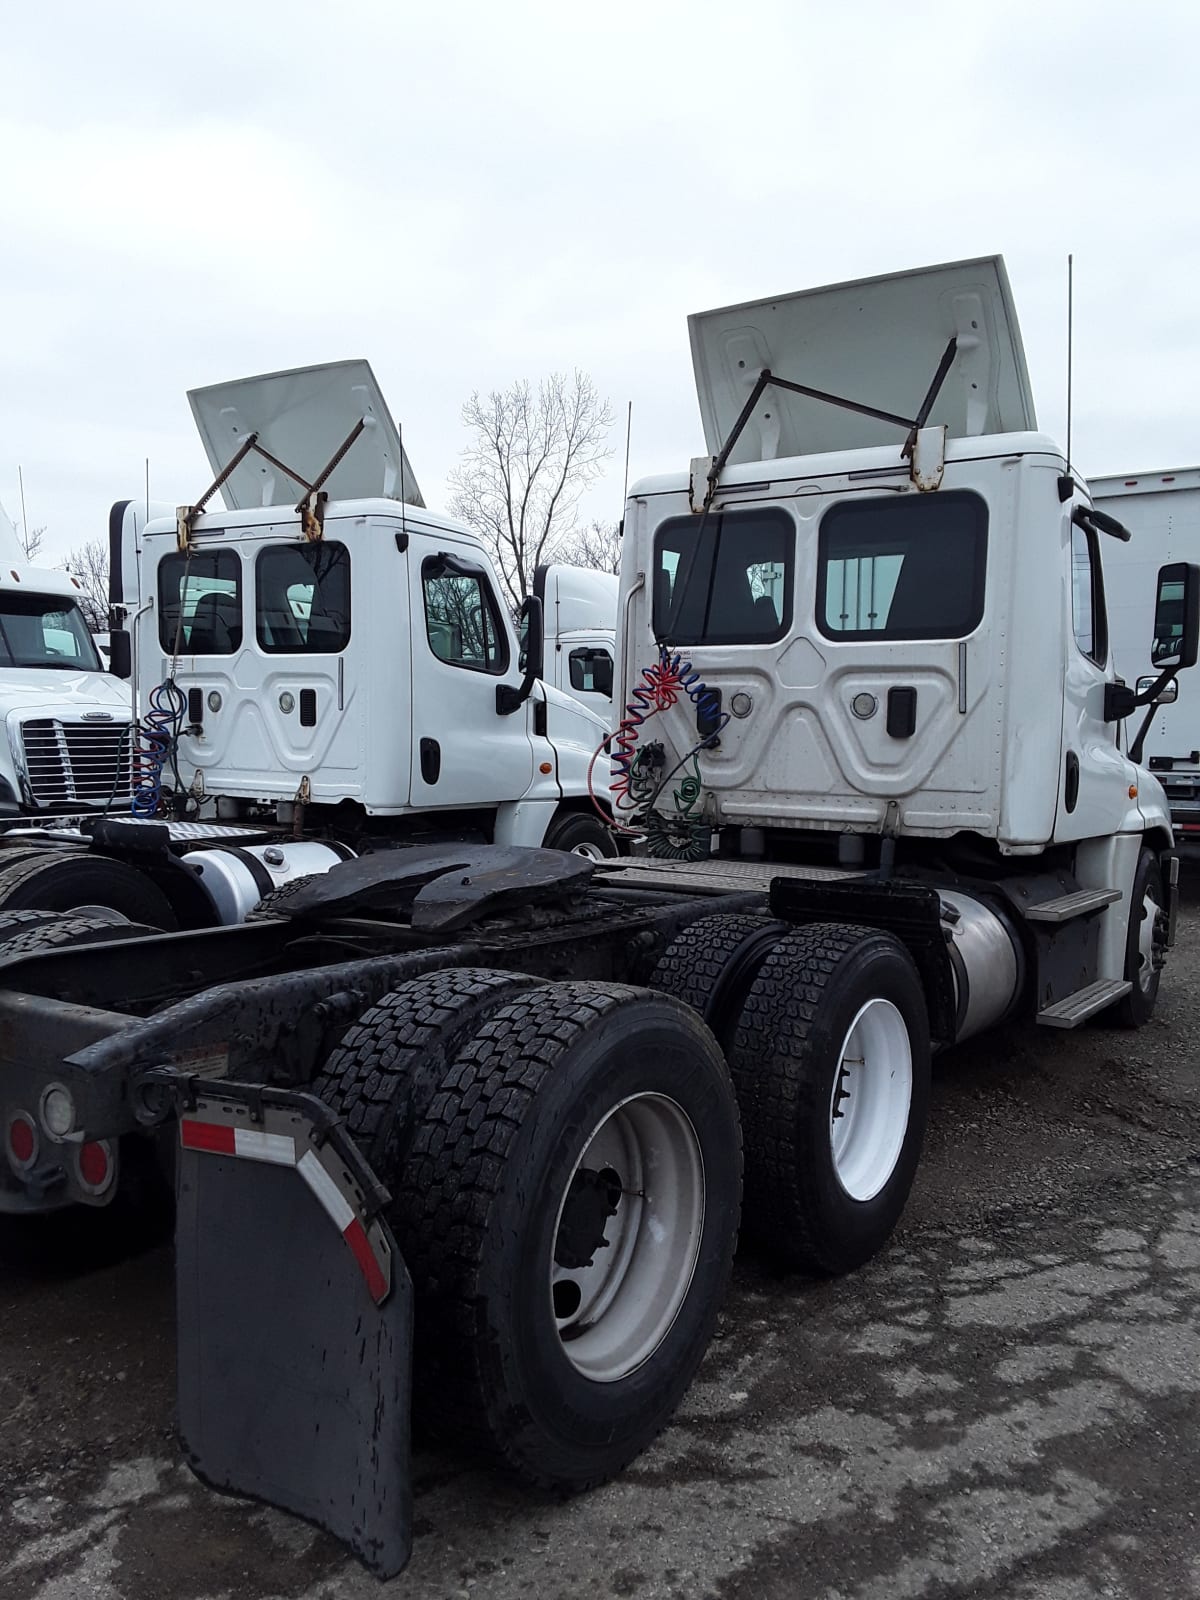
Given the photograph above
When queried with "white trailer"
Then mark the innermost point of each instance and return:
(1162, 511)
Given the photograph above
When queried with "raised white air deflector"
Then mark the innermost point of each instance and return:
(302, 416)
(877, 341)
(1084, 1003)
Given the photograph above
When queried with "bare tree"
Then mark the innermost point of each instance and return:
(597, 546)
(531, 456)
(31, 541)
(89, 564)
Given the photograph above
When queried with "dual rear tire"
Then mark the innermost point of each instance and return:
(565, 1165)
(827, 1035)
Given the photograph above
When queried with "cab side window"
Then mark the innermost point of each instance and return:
(1087, 596)
(462, 622)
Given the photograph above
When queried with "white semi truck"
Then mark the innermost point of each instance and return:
(66, 741)
(318, 679)
(1162, 511)
(580, 611)
(492, 1115)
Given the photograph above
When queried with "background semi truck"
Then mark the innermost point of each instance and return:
(320, 679)
(579, 608)
(1162, 510)
(494, 1115)
(66, 744)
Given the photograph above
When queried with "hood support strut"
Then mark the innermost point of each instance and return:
(767, 379)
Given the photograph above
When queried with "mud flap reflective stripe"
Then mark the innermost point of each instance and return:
(295, 1321)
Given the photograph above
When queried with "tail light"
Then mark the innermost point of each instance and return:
(95, 1166)
(22, 1140)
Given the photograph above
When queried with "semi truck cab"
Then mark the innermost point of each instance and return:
(351, 659)
(67, 736)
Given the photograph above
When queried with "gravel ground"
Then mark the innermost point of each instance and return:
(1004, 1404)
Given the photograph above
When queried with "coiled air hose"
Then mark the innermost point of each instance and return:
(156, 737)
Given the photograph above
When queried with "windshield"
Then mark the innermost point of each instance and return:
(42, 630)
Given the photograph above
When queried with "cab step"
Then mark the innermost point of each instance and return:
(1067, 906)
(1084, 1003)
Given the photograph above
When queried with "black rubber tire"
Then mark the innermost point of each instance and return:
(481, 1190)
(55, 883)
(276, 903)
(1136, 1009)
(712, 963)
(14, 922)
(389, 1064)
(785, 1056)
(577, 831)
(65, 931)
(13, 856)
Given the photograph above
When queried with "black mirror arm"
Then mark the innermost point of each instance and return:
(1149, 699)
(509, 699)
(1093, 521)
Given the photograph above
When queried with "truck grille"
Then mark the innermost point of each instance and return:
(84, 763)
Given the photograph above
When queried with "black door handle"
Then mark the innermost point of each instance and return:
(1071, 786)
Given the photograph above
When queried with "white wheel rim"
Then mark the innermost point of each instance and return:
(1145, 973)
(593, 852)
(100, 914)
(871, 1099)
(614, 1311)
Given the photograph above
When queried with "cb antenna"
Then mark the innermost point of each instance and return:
(628, 432)
(403, 521)
(1070, 346)
(24, 518)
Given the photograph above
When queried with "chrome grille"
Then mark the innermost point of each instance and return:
(78, 763)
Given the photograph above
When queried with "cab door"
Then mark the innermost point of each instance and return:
(464, 752)
(1093, 796)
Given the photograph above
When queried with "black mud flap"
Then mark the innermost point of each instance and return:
(295, 1319)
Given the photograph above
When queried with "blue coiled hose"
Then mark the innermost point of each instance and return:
(156, 736)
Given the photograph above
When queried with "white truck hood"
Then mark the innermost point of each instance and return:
(875, 340)
(570, 718)
(301, 417)
(33, 690)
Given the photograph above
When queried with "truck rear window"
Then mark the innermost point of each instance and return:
(911, 568)
(200, 603)
(725, 578)
(302, 598)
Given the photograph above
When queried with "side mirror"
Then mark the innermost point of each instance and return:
(530, 631)
(120, 659)
(1166, 696)
(1176, 617)
(602, 673)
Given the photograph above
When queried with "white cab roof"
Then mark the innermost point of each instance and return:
(578, 599)
(877, 341)
(302, 417)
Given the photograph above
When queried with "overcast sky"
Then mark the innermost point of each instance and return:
(197, 193)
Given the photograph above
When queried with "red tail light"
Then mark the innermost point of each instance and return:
(22, 1141)
(96, 1167)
